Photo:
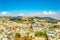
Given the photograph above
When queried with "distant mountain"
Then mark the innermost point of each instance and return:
(15, 18)
(42, 18)
(48, 19)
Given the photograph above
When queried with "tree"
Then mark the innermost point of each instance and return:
(40, 34)
(18, 35)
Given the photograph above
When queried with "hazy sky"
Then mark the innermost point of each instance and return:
(30, 7)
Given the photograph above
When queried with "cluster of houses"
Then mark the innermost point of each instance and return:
(8, 29)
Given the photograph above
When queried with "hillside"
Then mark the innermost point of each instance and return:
(48, 19)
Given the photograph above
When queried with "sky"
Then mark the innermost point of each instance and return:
(43, 8)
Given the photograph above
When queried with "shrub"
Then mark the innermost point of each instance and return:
(18, 35)
(40, 34)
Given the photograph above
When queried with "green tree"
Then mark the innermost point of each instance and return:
(40, 34)
(18, 35)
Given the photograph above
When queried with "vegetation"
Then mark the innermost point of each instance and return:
(18, 35)
(52, 21)
(55, 26)
(40, 34)
(18, 21)
(26, 38)
(22, 20)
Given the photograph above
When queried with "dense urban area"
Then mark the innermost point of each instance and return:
(29, 28)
